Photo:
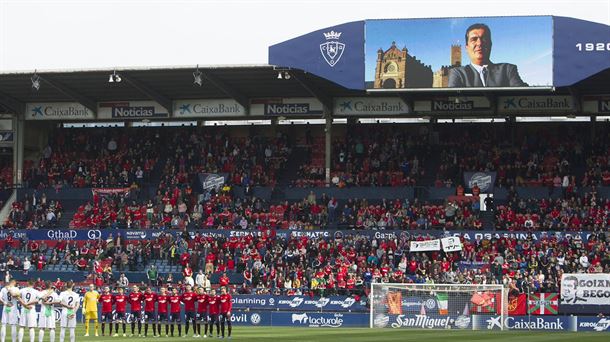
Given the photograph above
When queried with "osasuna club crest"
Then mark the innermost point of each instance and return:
(332, 49)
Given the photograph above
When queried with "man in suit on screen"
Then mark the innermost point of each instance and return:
(481, 72)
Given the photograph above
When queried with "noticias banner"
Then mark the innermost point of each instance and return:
(286, 107)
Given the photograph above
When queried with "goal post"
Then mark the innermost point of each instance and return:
(438, 306)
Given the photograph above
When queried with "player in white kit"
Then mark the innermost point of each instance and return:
(46, 319)
(70, 301)
(9, 297)
(28, 318)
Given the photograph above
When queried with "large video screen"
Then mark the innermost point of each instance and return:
(482, 52)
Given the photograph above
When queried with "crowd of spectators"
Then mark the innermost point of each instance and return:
(106, 158)
(597, 165)
(568, 213)
(546, 158)
(266, 263)
(34, 212)
(6, 172)
(361, 156)
(173, 208)
(252, 160)
(365, 157)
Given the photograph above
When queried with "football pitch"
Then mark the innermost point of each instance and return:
(364, 335)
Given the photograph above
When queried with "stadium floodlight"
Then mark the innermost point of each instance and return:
(114, 78)
(198, 77)
(35, 81)
(283, 75)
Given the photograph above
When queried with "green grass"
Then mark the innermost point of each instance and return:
(365, 335)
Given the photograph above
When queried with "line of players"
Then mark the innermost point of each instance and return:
(200, 308)
(11, 297)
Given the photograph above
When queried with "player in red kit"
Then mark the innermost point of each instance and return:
(213, 310)
(120, 300)
(188, 298)
(202, 311)
(135, 301)
(150, 298)
(174, 311)
(225, 311)
(107, 301)
(162, 300)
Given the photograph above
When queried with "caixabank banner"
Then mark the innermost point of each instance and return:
(546, 323)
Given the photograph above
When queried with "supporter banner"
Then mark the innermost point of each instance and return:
(428, 245)
(332, 303)
(451, 244)
(444, 105)
(209, 181)
(591, 290)
(484, 180)
(543, 304)
(131, 110)
(110, 191)
(535, 104)
(286, 106)
(319, 319)
(370, 106)
(7, 137)
(516, 305)
(208, 108)
(57, 111)
(470, 265)
(597, 104)
(93, 234)
(561, 323)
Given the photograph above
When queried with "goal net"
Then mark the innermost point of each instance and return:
(438, 306)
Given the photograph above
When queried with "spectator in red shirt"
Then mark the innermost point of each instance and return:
(224, 280)
(59, 284)
(188, 275)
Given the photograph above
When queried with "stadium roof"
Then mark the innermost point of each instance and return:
(163, 84)
(241, 82)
